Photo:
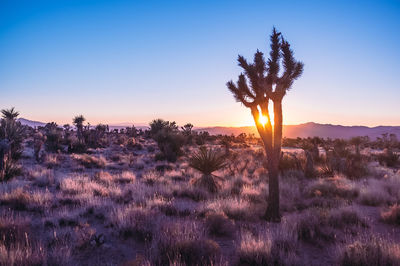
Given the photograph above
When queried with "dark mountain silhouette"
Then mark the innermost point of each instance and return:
(313, 129)
(290, 131)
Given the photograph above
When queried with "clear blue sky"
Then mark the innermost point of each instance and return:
(132, 61)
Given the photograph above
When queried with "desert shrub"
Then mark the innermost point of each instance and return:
(370, 252)
(38, 141)
(388, 158)
(392, 216)
(289, 161)
(76, 146)
(168, 138)
(184, 242)
(218, 224)
(355, 166)
(53, 137)
(207, 161)
(90, 161)
(170, 144)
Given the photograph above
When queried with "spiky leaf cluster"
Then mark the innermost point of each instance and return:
(207, 160)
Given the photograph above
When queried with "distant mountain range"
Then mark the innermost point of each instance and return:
(313, 130)
(290, 131)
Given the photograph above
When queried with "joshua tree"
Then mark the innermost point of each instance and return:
(78, 122)
(260, 84)
(207, 161)
(187, 129)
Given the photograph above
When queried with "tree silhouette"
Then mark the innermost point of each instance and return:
(261, 83)
(10, 114)
(78, 122)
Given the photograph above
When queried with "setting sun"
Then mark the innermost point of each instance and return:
(262, 120)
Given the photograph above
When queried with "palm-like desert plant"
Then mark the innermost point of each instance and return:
(11, 138)
(207, 161)
(260, 84)
(10, 114)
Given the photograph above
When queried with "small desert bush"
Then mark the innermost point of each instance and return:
(90, 161)
(290, 161)
(388, 158)
(373, 251)
(218, 224)
(356, 166)
(392, 216)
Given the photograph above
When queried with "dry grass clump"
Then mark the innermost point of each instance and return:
(17, 246)
(267, 249)
(134, 222)
(13, 229)
(374, 196)
(236, 209)
(345, 217)
(333, 187)
(22, 200)
(311, 227)
(317, 226)
(41, 177)
(374, 251)
(90, 161)
(218, 224)
(392, 216)
(184, 243)
(193, 193)
(126, 177)
(84, 186)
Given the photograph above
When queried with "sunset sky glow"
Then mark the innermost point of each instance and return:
(133, 61)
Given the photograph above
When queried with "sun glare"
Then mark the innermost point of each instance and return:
(263, 120)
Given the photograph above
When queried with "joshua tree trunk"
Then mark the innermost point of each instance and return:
(272, 140)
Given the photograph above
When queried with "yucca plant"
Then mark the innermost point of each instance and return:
(207, 161)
